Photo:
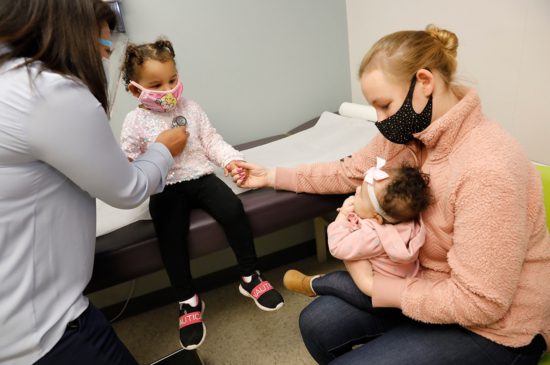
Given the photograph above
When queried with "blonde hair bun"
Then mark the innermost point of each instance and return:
(448, 39)
(401, 54)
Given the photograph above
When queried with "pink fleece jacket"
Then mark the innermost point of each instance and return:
(486, 260)
(392, 249)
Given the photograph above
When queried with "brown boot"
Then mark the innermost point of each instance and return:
(299, 283)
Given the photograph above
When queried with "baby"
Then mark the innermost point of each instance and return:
(379, 227)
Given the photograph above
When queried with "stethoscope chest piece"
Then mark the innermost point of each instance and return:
(179, 121)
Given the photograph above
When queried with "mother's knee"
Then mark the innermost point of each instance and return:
(313, 318)
(306, 320)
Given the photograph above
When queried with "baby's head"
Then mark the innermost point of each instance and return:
(150, 74)
(400, 197)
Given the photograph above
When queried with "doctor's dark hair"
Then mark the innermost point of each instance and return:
(407, 194)
(104, 13)
(400, 54)
(61, 34)
(161, 50)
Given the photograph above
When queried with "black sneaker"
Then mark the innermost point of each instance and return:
(263, 294)
(192, 328)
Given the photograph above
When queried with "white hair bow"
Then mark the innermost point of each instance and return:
(375, 173)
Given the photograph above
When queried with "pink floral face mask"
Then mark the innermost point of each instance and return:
(159, 101)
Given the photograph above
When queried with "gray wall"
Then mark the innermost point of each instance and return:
(257, 67)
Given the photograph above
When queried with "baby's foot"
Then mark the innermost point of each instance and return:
(300, 283)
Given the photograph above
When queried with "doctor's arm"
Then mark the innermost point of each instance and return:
(69, 131)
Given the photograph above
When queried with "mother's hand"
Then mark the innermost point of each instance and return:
(252, 176)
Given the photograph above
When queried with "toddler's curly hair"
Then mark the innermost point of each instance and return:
(136, 54)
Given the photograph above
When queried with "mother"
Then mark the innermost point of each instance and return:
(57, 153)
(481, 295)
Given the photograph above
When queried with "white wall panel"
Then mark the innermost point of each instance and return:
(504, 52)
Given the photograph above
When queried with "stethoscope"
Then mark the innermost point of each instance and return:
(179, 121)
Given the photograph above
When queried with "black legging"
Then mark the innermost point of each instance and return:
(170, 211)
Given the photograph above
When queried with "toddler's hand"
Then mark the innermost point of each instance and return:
(231, 168)
(235, 170)
(251, 176)
(228, 168)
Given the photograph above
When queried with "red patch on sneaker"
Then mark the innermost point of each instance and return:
(190, 318)
(261, 289)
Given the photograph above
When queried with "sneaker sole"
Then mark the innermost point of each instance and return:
(247, 294)
(193, 347)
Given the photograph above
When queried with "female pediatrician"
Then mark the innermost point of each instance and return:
(57, 153)
(482, 293)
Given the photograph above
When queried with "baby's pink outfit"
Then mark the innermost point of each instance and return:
(392, 249)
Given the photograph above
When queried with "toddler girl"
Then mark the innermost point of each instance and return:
(379, 228)
(150, 74)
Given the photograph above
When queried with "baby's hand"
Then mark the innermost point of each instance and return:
(348, 206)
(346, 209)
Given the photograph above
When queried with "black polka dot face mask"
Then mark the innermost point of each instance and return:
(400, 127)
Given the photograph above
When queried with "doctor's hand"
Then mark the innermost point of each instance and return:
(174, 139)
(252, 176)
